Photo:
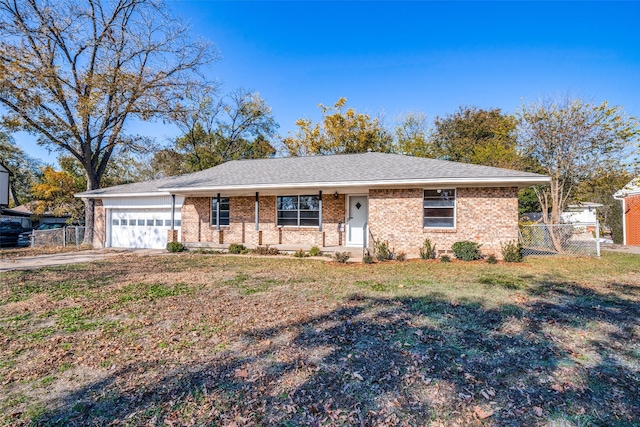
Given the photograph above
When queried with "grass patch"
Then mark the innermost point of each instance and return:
(504, 280)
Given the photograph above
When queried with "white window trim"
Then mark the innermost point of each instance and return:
(455, 209)
(298, 210)
(213, 212)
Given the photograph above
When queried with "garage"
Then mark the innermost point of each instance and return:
(141, 222)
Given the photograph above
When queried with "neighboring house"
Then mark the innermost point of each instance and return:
(327, 201)
(581, 213)
(24, 214)
(629, 195)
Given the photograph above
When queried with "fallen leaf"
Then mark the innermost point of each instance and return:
(557, 387)
(537, 410)
(241, 373)
(481, 413)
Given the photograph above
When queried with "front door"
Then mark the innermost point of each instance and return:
(357, 220)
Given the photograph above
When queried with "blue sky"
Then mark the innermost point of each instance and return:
(394, 57)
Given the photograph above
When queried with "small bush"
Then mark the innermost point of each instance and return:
(381, 250)
(175, 247)
(367, 259)
(300, 253)
(265, 250)
(237, 248)
(401, 256)
(512, 252)
(314, 251)
(428, 251)
(445, 258)
(467, 250)
(491, 259)
(341, 257)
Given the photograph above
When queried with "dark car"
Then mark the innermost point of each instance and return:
(9, 232)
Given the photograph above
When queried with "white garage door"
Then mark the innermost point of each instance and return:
(144, 228)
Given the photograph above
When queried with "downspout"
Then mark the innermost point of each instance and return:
(624, 220)
(173, 212)
(218, 212)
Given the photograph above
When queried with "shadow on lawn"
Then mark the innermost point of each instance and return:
(401, 361)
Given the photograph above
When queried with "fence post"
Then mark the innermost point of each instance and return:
(76, 229)
(64, 237)
(597, 237)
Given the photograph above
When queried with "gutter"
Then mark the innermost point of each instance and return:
(624, 217)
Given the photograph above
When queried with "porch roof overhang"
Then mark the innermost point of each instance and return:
(351, 186)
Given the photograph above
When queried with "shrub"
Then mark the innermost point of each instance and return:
(314, 251)
(467, 250)
(445, 258)
(381, 250)
(237, 248)
(512, 252)
(175, 247)
(341, 257)
(300, 253)
(367, 259)
(401, 256)
(265, 250)
(428, 251)
(491, 259)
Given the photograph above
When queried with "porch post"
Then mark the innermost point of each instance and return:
(218, 212)
(257, 212)
(320, 213)
(173, 210)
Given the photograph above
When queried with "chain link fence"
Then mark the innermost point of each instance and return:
(65, 236)
(560, 239)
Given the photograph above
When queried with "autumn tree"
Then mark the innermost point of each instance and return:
(572, 140)
(76, 72)
(478, 136)
(412, 135)
(340, 131)
(55, 193)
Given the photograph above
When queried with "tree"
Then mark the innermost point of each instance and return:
(339, 132)
(236, 126)
(24, 169)
(411, 135)
(54, 193)
(570, 139)
(76, 72)
(478, 136)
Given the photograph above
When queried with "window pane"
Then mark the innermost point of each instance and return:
(309, 214)
(308, 222)
(167, 223)
(132, 222)
(158, 223)
(438, 222)
(178, 223)
(287, 221)
(310, 202)
(141, 222)
(149, 223)
(115, 221)
(435, 213)
(287, 202)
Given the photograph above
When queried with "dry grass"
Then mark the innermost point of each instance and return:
(220, 340)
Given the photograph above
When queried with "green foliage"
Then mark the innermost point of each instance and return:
(512, 252)
(300, 253)
(341, 257)
(381, 250)
(237, 248)
(445, 258)
(428, 251)
(339, 132)
(24, 169)
(467, 250)
(367, 259)
(491, 259)
(175, 247)
(401, 256)
(265, 250)
(314, 251)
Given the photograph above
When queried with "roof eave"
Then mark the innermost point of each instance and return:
(131, 194)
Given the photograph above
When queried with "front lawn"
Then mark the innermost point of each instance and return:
(195, 339)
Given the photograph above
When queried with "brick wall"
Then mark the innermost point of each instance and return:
(99, 225)
(485, 215)
(632, 220)
(241, 229)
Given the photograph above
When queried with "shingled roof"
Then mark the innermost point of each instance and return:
(335, 171)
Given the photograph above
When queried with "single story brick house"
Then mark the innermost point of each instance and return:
(629, 195)
(327, 201)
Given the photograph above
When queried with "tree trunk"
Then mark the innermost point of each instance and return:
(93, 183)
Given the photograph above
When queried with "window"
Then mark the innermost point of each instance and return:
(439, 208)
(115, 221)
(302, 211)
(141, 222)
(149, 223)
(132, 222)
(167, 223)
(158, 223)
(224, 211)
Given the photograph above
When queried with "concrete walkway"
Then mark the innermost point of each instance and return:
(621, 248)
(39, 261)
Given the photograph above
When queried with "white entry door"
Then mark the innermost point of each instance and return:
(357, 220)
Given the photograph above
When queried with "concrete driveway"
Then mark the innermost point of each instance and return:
(621, 248)
(39, 261)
